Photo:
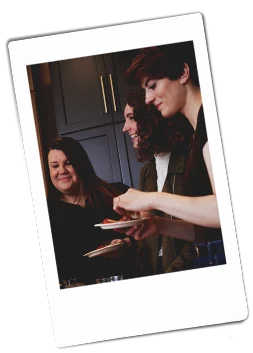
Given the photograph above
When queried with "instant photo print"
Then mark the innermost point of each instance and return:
(74, 85)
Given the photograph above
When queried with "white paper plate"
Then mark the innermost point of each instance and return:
(118, 225)
(105, 250)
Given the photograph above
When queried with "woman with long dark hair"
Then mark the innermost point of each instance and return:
(159, 142)
(168, 76)
(154, 134)
(77, 200)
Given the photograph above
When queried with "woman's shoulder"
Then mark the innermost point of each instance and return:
(201, 117)
(58, 209)
(201, 133)
(52, 203)
(148, 176)
(148, 168)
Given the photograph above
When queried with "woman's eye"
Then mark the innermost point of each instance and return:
(153, 86)
(54, 166)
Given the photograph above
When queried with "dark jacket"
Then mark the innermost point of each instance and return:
(175, 251)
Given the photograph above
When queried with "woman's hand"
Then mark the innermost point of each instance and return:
(159, 225)
(132, 200)
(118, 241)
(126, 242)
(150, 226)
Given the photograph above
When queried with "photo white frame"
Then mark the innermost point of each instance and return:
(189, 298)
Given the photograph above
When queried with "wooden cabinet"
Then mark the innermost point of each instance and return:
(80, 93)
(90, 91)
(89, 99)
(116, 66)
(101, 147)
(111, 153)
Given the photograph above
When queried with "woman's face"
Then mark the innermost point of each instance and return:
(62, 174)
(167, 95)
(130, 125)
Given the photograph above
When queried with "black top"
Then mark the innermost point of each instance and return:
(196, 178)
(74, 235)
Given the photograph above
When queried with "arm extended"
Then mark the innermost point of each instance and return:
(201, 210)
(159, 225)
(197, 210)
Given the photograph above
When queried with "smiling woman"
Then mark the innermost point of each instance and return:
(77, 200)
(164, 145)
(151, 134)
(62, 174)
(168, 76)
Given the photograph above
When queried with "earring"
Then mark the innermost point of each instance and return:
(182, 82)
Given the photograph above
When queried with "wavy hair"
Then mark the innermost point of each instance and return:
(156, 133)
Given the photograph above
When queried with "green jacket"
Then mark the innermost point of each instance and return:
(176, 253)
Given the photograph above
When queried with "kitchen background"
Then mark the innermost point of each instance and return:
(84, 98)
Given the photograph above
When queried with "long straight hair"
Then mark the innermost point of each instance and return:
(95, 190)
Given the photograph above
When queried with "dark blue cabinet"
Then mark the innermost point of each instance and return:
(89, 99)
(80, 93)
(101, 147)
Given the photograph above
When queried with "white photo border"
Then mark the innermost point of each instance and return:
(143, 305)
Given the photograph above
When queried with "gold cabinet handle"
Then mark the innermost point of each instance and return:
(103, 92)
(112, 89)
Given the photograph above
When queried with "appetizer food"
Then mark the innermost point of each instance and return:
(122, 219)
(101, 246)
(108, 220)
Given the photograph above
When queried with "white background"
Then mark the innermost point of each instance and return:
(22, 311)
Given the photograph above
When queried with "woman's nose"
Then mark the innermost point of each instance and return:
(62, 169)
(125, 127)
(149, 98)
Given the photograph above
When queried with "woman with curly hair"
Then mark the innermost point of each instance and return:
(155, 135)
(168, 76)
(159, 142)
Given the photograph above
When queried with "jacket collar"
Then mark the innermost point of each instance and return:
(176, 166)
(151, 177)
(177, 163)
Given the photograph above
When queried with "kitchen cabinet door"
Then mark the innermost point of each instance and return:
(116, 66)
(130, 167)
(101, 147)
(80, 92)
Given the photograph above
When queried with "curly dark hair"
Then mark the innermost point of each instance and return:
(96, 190)
(156, 133)
(163, 61)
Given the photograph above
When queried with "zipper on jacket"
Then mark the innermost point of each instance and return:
(173, 192)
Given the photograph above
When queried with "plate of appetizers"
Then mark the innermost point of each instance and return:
(105, 249)
(112, 224)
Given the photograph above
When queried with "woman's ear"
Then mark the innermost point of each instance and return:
(186, 74)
